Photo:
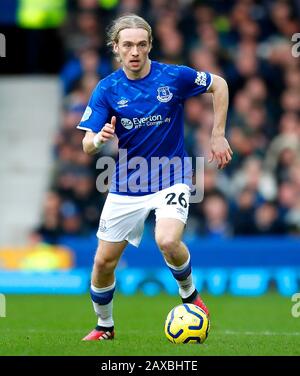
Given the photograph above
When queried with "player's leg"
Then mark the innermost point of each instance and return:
(171, 216)
(168, 236)
(122, 222)
(103, 287)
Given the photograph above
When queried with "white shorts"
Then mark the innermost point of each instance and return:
(123, 217)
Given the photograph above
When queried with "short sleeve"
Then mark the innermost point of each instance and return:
(192, 82)
(97, 111)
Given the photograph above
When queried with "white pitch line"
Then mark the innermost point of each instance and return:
(222, 332)
(42, 331)
(251, 333)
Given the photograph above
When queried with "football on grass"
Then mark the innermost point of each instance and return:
(187, 323)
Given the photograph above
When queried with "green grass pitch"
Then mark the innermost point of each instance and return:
(54, 325)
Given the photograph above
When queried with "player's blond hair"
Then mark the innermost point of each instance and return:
(128, 21)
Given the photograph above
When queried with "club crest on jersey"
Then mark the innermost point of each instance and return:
(164, 94)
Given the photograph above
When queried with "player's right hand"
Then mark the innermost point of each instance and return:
(108, 131)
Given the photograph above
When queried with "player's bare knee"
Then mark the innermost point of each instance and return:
(168, 245)
(104, 265)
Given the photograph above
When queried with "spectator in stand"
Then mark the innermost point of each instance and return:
(249, 43)
(243, 213)
(292, 218)
(71, 220)
(285, 147)
(267, 220)
(88, 62)
(215, 216)
(50, 229)
(253, 177)
(287, 198)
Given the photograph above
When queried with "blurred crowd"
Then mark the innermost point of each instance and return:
(249, 44)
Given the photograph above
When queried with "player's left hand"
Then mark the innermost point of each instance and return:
(220, 151)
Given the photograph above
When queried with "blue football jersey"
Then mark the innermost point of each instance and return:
(149, 127)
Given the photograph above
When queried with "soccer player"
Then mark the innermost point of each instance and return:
(142, 104)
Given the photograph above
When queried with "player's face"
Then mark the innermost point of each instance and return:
(133, 48)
